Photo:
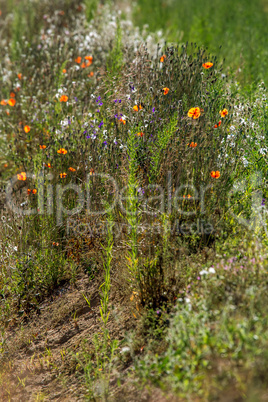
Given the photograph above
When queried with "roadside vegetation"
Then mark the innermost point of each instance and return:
(133, 165)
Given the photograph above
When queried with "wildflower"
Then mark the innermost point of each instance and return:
(19, 76)
(136, 108)
(223, 112)
(63, 175)
(194, 112)
(62, 151)
(153, 109)
(42, 146)
(78, 60)
(6, 165)
(11, 102)
(91, 172)
(3, 102)
(123, 121)
(101, 124)
(166, 90)
(72, 169)
(192, 144)
(89, 58)
(207, 65)
(63, 98)
(12, 95)
(34, 191)
(22, 176)
(27, 129)
(215, 174)
(48, 165)
(162, 58)
(140, 134)
(218, 124)
(83, 65)
(55, 244)
(64, 71)
(91, 74)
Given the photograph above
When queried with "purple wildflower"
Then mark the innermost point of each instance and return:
(101, 124)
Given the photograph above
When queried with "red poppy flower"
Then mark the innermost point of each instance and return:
(64, 98)
(62, 151)
(194, 112)
(223, 112)
(22, 176)
(207, 65)
(215, 174)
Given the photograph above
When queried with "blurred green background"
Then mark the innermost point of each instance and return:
(236, 31)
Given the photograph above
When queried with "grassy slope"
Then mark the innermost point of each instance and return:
(191, 334)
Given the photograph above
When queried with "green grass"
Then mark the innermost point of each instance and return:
(233, 30)
(118, 125)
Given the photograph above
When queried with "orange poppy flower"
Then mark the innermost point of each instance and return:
(3, 102)
(194, 112)
(34, 191)
(83, 65)
(27, 129)
(48, 165)
(218, 124)
(55, 244)
(193, 144)
(89, 58)
(42, 146)
(5, 165)
(136, 108)
(123, 121)
(215, 174)
(72, 169)
(223, 112)
(22, 176)
(166, 90)
(62, 151)
(162, 59)
(64, 98)
(12, 95)
(63, 175)
(141, 134)
(11, 102)
(91, 74)
(64, 71)
(88, 63)
(18, 89)
(207, 65)
(19, 76)
(91, 172)
(7, 112)
(78, 59)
